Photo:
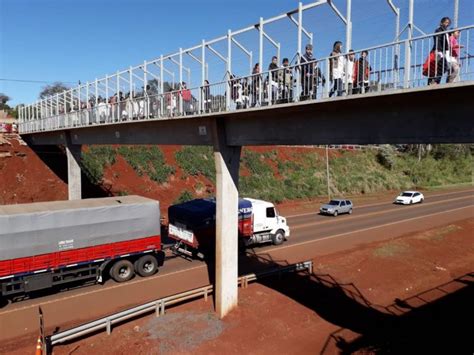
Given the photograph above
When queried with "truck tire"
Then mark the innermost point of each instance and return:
(146, 265)
(335, 213)
(122, 271)
(278, 237)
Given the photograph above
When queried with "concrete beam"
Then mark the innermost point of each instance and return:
(227, 160)
(74, 183)
(413, 116)
(181, 131)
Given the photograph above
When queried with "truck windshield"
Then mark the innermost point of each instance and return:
(333, 203)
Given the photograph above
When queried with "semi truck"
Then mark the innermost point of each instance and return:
(192, 225)
(48, 244)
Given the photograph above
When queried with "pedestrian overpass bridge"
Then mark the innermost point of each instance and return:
(383, 97)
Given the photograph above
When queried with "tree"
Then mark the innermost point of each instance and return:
(3, 101)
(154, 86)
(55, 88)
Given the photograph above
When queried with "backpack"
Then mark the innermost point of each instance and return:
(429, 66)
(186, 94)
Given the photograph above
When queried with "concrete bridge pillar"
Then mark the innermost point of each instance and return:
(73, 153)
(227, 160)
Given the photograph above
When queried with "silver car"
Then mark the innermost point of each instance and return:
(335, 207)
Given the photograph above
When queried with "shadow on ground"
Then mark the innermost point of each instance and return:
(438, 320)
(55, 158)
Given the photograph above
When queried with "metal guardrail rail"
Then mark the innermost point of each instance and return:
(158, 306)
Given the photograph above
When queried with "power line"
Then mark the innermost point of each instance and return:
(36, 81)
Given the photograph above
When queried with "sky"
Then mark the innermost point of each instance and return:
(71, 40)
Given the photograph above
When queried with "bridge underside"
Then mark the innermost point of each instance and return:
(433, 114)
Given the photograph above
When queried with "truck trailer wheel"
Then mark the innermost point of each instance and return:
(278, 237)
(122, 271)
(146, 265)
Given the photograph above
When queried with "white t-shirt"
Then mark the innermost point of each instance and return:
(350, 70)
(338, 68)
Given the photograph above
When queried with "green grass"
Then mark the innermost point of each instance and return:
(184, 197)
(95, 160)
(303, 175)
(197, 160)
(147, 160)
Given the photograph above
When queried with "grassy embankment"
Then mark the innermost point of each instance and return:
(265, 176)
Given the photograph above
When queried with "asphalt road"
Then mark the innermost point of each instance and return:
(311, 235)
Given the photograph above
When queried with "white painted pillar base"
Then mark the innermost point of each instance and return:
(73, 153)
(227, 160)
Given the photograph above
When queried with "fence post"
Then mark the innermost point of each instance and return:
(406, 80)
(327, 85)
(162, 310)
(109, 327)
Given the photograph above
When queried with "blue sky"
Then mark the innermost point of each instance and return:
(66, 40)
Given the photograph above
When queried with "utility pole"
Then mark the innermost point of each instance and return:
(327, 171)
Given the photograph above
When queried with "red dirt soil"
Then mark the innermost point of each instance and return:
(121, 178)
(412, 293)
(24, 177)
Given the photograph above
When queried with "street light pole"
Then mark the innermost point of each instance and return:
(327, 170)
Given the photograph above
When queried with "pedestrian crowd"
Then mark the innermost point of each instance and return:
(349, 73)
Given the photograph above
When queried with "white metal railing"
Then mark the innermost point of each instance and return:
(159, 306)
(390, 66)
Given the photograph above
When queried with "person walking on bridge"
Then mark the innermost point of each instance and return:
(441, 50)
(362, 73)
(307, 65)
(255, 85)
(285, 81)
(337, 69)
(455, 65)
(273, 78)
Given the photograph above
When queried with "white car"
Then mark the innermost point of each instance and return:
(409, 198)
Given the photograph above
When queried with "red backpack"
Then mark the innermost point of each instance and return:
(429, 66)
(186, 94)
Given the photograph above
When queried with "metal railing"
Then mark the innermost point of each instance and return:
(158, 306)
(392, 66)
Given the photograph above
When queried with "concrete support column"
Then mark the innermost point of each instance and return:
(227, 160)
(73, 153)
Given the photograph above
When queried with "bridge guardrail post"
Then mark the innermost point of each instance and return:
(327, 84)
(407, 74)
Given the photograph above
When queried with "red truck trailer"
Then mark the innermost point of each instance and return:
(53, 243)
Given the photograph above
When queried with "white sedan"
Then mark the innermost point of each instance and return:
(409, 198)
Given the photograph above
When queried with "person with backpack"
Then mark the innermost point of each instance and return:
(186, 97)
(440, 53)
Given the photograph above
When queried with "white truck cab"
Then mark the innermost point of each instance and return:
(268, 226)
